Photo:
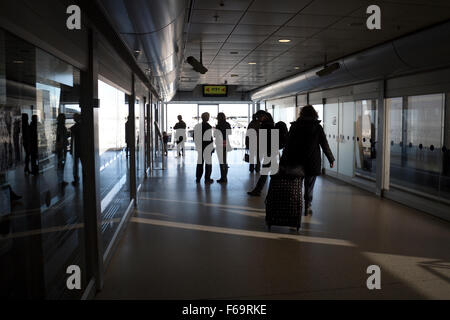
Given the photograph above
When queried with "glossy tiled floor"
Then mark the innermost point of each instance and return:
(189, 241)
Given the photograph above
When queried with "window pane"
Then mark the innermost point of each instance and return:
(41, 211)
(416, 141)
(114, 173)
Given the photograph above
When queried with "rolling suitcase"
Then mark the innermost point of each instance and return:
(284, 201)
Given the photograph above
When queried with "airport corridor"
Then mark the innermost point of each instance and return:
(197, 241)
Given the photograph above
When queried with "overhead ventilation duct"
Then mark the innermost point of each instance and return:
(428, 49)
(153, 28)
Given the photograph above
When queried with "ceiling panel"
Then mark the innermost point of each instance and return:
(208, 28)
(266, 18)
(259, 30)
(312, 21)
(287, 6)
(213, 16)
(323, 31)
(238, 5)
(297, 32)
(337, 8)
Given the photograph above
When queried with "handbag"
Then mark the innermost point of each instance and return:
(246, 156)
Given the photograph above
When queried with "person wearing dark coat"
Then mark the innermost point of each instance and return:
(180, 136)
(254, 124)
(266, 123)
(306, 137)
(61, 145)
(224, 129)
(26, 142)
(33, 146)
(202, 142)
(75, 148)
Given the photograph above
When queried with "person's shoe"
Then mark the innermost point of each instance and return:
(254, 193)
(222, 181)
(308, 211)
(209, 181)
(197, 180)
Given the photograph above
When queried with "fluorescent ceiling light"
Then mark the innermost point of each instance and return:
(284, 40)
(252, 63)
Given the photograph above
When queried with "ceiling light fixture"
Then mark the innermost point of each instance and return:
(252, 63)
(234, 52)
(18, 61)
(297, 68)
(284, 40)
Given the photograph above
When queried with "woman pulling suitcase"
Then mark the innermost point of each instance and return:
(306, 137)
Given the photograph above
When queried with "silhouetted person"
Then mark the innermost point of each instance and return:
(16, 141)
(62, 143)
(283, 133)
(76, 147)
(34, 146)
(165, 141)
(127, 136)
(223, 128)
(267, 123)
(306, 137)
(202, 142)
(180, 135)
(255, 125)
(26, 142)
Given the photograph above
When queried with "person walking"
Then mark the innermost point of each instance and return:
(305, 139)
(223, 130)
(203, 138)
(253, 125)
(180, 136)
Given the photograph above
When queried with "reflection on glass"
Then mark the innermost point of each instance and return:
(114, 165)
(366, 138)
(41, 220)
(416, 133)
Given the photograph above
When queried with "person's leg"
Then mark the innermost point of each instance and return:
(309, 182)
(27, 162)
(76, 177)
(178, 149)
(259, 186)
(199, 170)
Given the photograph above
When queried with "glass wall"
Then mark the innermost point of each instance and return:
(113, 122)
(417, 149)
(331, 128)
(366, 128)
(238, 117)
(189, 114)
(41, 190)
(139, 139)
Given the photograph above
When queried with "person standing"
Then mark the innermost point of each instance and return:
(223, 130)
(26, 142)
(253, 125)
(75, 147)
(267, 124)
(203, 139)
(34, 147)
(165, 142)
(306, 137)
(180, 135)
(61, 146)
(127, 136)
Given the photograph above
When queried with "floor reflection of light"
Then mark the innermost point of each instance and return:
(246, 233)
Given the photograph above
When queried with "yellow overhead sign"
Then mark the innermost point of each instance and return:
(215, 91)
